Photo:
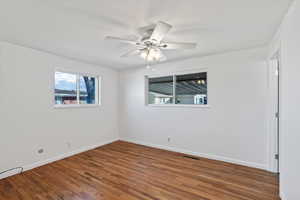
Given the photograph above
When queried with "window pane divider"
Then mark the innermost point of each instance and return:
(174, 89)
(78, 88)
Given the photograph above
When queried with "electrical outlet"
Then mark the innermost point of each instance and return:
(69, 144)
(40, 151)
(169, 139)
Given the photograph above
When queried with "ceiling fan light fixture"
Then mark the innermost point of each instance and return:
(144, 53)
(151, 54)
(154, 54)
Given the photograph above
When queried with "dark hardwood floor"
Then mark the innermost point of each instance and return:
(125, 171)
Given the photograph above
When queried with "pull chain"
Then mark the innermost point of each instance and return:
(147, 60)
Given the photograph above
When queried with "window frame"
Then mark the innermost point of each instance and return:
(174, 74)
(98, 91)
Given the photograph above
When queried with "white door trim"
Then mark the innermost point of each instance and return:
(273, 144)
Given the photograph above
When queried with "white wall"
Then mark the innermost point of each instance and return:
(27, 116)
(289, 39)
(233, 129)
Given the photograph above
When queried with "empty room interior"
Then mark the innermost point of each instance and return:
(149, 100)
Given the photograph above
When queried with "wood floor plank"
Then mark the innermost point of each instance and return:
(126, 171)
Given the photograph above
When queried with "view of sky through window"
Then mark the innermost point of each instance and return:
(65, 81)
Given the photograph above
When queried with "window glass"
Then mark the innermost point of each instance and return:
(191, 89)
(65, 88)
(160, 90)
(87, 90)
(75, 89)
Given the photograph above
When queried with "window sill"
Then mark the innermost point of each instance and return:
(179, 105)
(77, 106)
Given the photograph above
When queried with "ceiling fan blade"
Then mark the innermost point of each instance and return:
(131, 53)
(159, 32)
(123, 40)
(144, 30)
(162, 57)
(177, 45)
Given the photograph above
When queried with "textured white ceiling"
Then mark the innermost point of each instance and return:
(76, 28)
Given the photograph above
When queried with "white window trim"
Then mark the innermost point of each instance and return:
(98, 95)
(174, 74)
(180, 105)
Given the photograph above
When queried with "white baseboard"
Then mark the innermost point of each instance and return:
(213, 157)
(56, 158)
(281, 195)
(86, 148)
(272, 169)
(10, 173)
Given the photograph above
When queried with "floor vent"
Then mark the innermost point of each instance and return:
(191, 157)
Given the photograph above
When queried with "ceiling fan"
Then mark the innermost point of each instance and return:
(150, 45)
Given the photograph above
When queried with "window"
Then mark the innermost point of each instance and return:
(76, 89)
(87, 90)
(184, 89)
(191, 88)
(65, 88)
(161, 90)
